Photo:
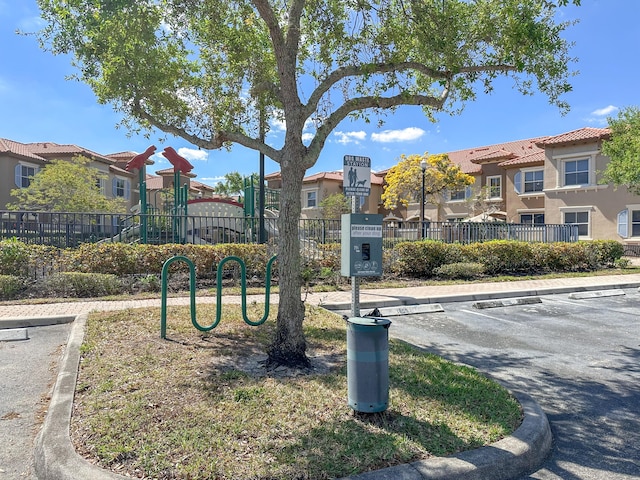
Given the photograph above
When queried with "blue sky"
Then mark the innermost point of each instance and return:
(38, 104)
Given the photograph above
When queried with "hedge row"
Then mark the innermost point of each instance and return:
(499, 257)
(121, 259)
(409, 259)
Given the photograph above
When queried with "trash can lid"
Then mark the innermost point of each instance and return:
(369, 321)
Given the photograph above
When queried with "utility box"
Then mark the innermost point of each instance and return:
(361, 245)
(368, 364)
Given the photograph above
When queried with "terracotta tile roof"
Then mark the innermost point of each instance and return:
(19, 149)
(533, 159)
(168, 171)
(50, 150)
(122, 156)
(493, 156)
(201, 186)
(469, 159)
(377, 178)
(586, 134)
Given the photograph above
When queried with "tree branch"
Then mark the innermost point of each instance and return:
(366, 69)
(364, 103)
(216, 142)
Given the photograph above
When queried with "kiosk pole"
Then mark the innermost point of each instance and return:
(355, 281)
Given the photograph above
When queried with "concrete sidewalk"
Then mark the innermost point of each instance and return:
(509, 458)
(369, 298)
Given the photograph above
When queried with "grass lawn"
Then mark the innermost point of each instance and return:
(201, 405)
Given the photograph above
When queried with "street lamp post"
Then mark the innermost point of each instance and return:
(423, 167)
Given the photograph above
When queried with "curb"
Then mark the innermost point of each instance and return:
(55, 456)
(511, 457)
(22, 322)
(472, 297)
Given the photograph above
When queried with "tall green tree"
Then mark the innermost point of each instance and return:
(66, 186)
(333, 206)
(233, 184)
(215, 71)
(623, 148)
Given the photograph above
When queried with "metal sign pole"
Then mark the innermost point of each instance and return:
(355, 281)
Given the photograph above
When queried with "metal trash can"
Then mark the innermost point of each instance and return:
(368, 364)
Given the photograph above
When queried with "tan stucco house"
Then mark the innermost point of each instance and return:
(541, 180)
(20, 161)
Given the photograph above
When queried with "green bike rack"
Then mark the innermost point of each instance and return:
(192, 293)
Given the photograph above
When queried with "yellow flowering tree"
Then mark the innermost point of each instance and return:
(404, 180)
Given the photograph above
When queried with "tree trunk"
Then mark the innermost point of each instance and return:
(289, 345)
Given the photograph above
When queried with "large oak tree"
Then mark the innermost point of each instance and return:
(209, 70)
(623, 147)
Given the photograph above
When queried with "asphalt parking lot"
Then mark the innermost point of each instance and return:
(28, 368)
(577, 357)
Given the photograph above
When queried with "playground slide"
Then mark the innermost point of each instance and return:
(271, 227)
(132, 232)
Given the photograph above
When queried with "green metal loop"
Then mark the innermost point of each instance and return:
(192, 293)
(243, 290)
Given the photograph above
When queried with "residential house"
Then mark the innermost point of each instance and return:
(319, 186)
(20, 161)
(542, 180)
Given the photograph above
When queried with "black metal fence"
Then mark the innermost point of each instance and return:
(73, 229)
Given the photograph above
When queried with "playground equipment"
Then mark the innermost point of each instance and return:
(201, 221)
(192, 293)
(139, 162)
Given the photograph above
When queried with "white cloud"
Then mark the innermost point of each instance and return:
(404, 135)
(193, 154)
(307, 137)
(605, 112)
(350, 137)
(212, 179)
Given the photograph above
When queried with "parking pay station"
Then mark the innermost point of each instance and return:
(361, 245)
(367, 338)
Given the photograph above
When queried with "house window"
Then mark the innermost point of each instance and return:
(101, 183)
(121, 188)
(533, 181)
(576, 172)
(23, 174)
(459, 194)
(312, 200)
(494, 185)
(532, 218)
(635, 223)
(581, 219)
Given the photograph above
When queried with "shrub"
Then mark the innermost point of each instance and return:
(463, 270)
(75, 284)
(10, 286)
(501, 256)
(14, 258)
(622, 263)
(607, 251)
(420, 259)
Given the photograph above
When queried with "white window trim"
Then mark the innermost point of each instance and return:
(530, 211)
(305, 198)
(560, 170)
(468, 193)
(585, 208)
(35, 166)
(630, 208)
(489, 178)
(531, 194)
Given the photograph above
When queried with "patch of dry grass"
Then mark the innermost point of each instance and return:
(201, 406)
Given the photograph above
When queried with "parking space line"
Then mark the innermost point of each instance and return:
(489, 316)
